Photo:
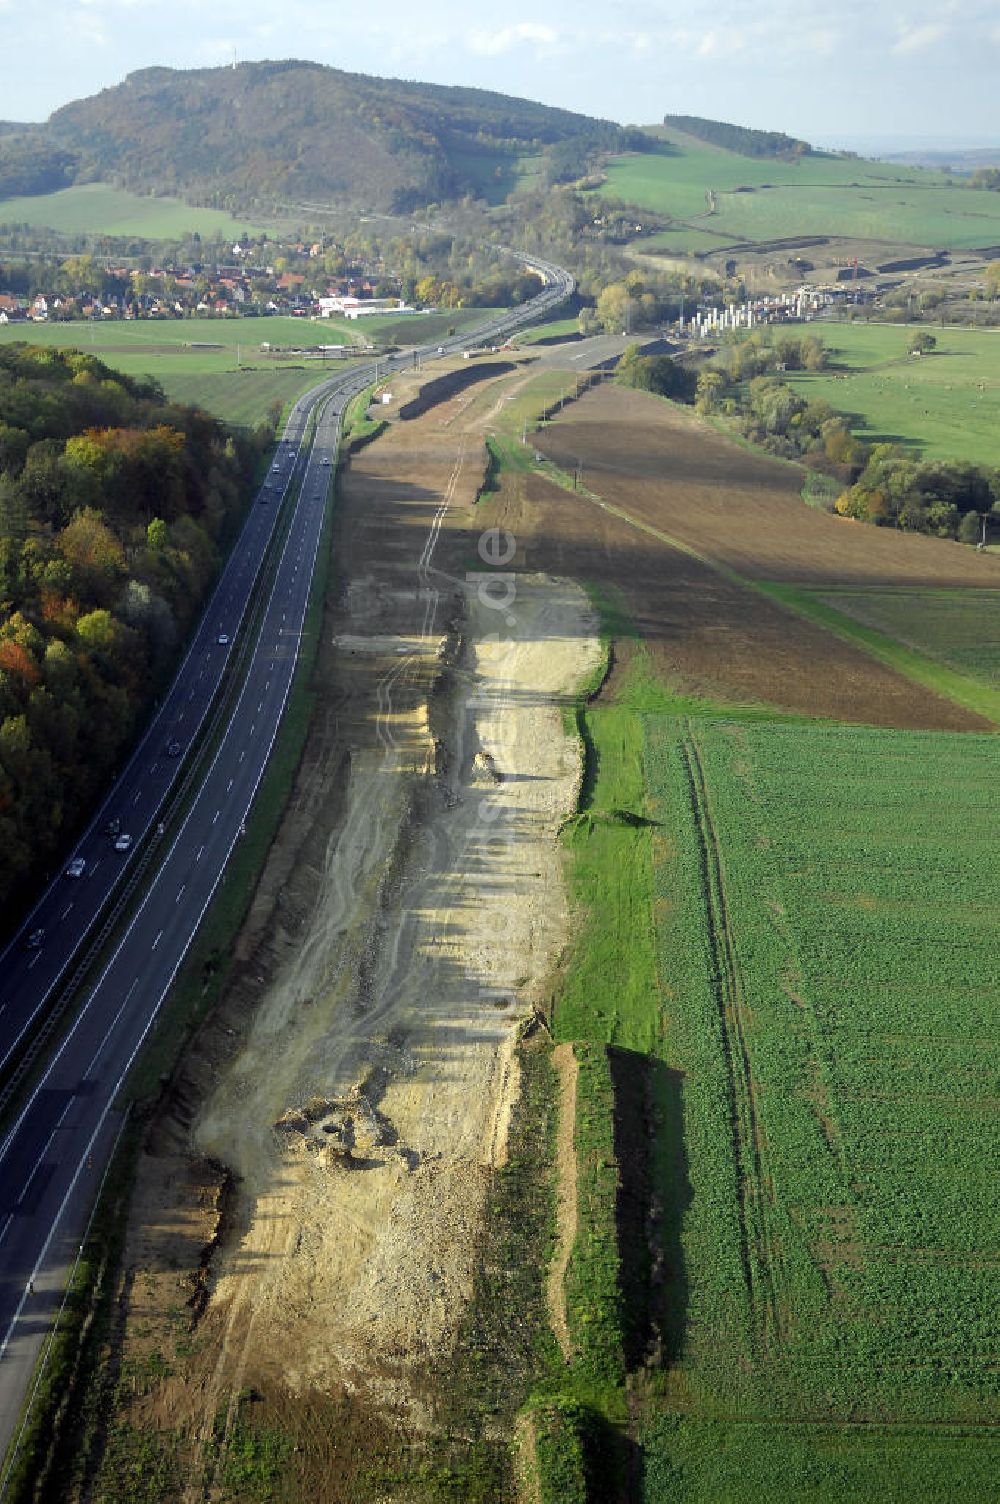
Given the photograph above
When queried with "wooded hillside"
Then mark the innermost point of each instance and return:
(114, 511)
(278, 133)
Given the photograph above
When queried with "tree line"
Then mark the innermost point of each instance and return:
(115, 511)
(739, 138)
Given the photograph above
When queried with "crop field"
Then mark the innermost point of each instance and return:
(825, 912)
(940, 406)
(794, 920)
(959, 628)
(761, 199)
(97, 209)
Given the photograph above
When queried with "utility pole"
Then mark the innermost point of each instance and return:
(578, 476)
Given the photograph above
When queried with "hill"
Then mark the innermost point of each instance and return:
(297, 132)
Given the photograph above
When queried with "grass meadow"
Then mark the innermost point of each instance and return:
(764, 199)
(940, 406)
(98, 209)
(218, 363)
(824, 917)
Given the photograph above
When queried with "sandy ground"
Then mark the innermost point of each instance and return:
(315, 1186)
(373, 1090)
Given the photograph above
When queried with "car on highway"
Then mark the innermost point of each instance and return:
(113, 827)
(173, 749)
(324, 461)
(76, 868)
(123, 841)
(223, 639)
(34, 940)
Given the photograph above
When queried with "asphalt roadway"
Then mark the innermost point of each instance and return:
(59, 1138)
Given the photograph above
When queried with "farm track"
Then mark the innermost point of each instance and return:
(758, 1253)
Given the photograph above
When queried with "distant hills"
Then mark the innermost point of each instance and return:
(297, 132)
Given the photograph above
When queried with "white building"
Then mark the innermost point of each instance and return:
(357, 308)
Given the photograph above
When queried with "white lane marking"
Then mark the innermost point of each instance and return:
(38, 1163)
(180, 892)
(137, 797)
(229, 785)
(156, 941)
(65, 911)
(253, 728)
(215, 817)
(34, 961)
(96, 865)
(260, 707)
(200, 851)
(243, 753)
(110, 1029)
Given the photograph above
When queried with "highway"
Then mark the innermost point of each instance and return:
(58, 1136)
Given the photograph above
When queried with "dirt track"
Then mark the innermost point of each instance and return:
(358, 1081)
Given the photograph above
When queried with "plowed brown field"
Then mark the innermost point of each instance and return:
(706, 633)
(669, 468)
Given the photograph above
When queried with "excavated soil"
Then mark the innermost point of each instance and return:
(312, 1191)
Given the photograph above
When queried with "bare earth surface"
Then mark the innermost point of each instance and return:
(705, 633)
(316, 1185)
(743, 509)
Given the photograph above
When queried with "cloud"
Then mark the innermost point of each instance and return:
(522, 34)
(917, 38)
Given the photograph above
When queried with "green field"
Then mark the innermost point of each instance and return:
(942, 405)
(764, 199)
(219, 364)
(241, 397)
(959, 628)
(825, 904)
(97, 209)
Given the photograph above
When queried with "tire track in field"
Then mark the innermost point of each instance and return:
(757, 1249)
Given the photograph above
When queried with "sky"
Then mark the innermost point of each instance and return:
(857, 70)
